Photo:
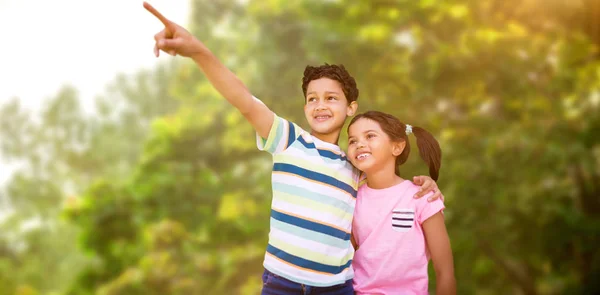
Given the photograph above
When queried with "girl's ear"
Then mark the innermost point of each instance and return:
(398, 148)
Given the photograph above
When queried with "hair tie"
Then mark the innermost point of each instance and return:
(408, 129)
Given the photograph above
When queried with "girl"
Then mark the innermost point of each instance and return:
(395, 234)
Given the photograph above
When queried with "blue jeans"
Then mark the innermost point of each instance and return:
(276, 285)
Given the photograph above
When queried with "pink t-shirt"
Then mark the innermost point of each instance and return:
(392, 255)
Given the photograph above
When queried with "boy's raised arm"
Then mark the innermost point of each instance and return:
(176, 40)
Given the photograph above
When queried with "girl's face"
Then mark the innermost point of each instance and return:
(370, 149)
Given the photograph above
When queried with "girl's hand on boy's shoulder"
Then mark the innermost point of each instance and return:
(427, 185)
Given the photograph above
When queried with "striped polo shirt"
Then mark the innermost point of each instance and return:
(314, 193)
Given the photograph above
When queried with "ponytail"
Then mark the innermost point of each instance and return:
(430, 151)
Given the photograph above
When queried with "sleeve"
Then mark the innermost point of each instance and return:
(427, 209)
(282, 134)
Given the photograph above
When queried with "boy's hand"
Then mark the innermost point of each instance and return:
(427, 185)
(174, 39)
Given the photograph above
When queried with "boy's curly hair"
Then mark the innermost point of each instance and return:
(334, 72)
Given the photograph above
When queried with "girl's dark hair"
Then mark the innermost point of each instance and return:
(429, 148)
(333, 72)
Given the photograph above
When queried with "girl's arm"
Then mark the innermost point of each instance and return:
(438, 243)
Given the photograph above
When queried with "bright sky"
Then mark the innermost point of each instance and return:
(47, 44)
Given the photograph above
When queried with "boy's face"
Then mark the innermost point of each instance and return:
(326, 107)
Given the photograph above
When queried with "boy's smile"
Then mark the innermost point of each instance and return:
(322, 117)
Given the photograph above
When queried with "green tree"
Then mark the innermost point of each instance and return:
(59, 154)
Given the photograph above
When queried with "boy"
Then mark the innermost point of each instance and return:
(314, 185)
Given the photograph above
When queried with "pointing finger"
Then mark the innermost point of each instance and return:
(158, 15)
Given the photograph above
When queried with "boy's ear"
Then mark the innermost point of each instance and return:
(351, 110)
(398, 148)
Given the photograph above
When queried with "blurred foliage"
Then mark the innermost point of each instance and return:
(162, 191)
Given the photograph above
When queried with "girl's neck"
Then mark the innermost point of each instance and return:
(383, 178)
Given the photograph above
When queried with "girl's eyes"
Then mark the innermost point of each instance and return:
(332, 98)
(353, 141)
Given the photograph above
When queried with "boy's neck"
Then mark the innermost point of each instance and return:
(332, 138)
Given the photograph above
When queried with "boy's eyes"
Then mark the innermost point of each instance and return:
(311, 99)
